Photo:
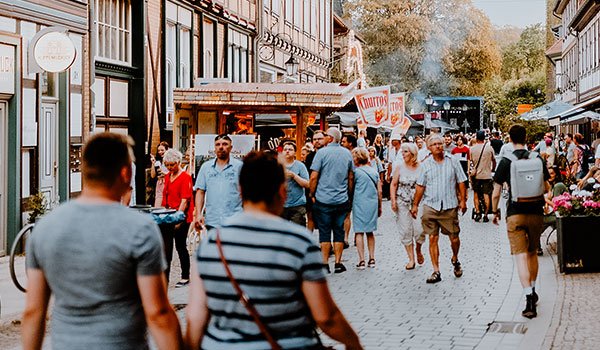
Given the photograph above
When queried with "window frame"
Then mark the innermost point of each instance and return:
(123, 30)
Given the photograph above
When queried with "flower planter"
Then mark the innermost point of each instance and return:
(578, 239)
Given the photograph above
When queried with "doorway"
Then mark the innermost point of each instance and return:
(3, 176)
(49, 153)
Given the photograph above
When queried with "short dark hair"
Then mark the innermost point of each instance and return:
(261, 177)
(518, 134)
(579, 138)
(293, 144)
(496, 134)
(351, 139)
(570, 135)
(104, 155)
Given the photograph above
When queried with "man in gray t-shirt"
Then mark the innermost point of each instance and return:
(103, 263)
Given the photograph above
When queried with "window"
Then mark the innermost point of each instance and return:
(275, 6)
(322, 20)
(298, 13)
(289, 10)
(178, 54)
(267, 76)
(209, 48)
(238, 57)
(307, 15)
(327, 21)
(113, 28)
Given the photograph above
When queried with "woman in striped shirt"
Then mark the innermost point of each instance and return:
(277, 265)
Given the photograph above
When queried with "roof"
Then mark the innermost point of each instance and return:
(326, 95)
(555, 50)
(547, 111)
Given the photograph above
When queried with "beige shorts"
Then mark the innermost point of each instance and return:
(410, 229)
(524, 231)
(445, 220)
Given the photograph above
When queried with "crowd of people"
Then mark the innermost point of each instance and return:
(259, 278)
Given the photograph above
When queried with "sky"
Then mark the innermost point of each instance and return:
(518, 13)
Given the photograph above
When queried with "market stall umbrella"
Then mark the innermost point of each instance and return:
(547, 111)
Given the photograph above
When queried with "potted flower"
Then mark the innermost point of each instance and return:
(577, 224)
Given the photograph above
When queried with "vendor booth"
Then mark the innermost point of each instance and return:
(249, 108)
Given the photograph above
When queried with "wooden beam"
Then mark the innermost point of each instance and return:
(300, 132)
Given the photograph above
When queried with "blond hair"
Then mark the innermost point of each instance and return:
(361, 155)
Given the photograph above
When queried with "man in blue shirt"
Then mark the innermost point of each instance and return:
(331, 186)
(217, 187)
(296, 174)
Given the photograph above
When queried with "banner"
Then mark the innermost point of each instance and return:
(242, 145)
(396, 110)
(373, 105)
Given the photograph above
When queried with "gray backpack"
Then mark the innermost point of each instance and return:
(526, 178)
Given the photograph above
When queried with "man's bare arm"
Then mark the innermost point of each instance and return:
(36, 307)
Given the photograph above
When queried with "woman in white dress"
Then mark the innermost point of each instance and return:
(402, 191)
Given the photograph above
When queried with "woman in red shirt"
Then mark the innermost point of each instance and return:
(462, 153)
(177, 194)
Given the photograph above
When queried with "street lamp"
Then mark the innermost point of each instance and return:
(291, 66)
(446, 106)
(427, 118)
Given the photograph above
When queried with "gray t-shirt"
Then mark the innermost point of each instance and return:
(91, 255)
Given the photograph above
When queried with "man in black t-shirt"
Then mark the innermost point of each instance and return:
(496, 142)
(524, 221)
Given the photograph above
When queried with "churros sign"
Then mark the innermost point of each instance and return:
(373, 105)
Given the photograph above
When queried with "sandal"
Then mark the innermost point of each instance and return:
(409, 266)
(420, 258)
(458, 272)
(435, 277)
(361, 265)
(371, 263)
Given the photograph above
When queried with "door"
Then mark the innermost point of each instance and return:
(49, 153)
(3, 184)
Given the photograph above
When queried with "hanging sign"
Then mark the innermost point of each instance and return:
(373, 105)
(53, 50)
(396, 110)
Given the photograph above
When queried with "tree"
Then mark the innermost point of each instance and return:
(525, 56)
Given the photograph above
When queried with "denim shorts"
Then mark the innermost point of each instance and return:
(328, 218)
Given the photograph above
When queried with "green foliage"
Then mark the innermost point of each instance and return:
(38, 205)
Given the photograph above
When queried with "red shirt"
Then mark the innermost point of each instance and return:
(174, 192)
(462, 150)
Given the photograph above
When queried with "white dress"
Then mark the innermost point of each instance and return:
(410, 229)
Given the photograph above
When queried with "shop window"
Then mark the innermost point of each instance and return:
(240, 124)
(113, 30)
(184, 134)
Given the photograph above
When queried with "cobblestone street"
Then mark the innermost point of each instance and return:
(394, 308)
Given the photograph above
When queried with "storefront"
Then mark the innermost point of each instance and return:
(42, 109)
(234, 108)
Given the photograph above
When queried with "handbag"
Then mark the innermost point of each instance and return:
(474, 170)
(245, 301)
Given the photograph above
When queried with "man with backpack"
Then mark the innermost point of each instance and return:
(527, 177)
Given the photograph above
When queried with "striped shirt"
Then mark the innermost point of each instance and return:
(269, 257)
(439, 180)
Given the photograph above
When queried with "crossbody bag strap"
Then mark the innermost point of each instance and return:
(480, 155)
(369, 176)
(244, 300)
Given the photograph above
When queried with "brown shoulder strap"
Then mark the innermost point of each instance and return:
(244, 300)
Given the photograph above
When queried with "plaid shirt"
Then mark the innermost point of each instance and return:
(440, 180)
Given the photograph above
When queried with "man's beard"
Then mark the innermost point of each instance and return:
(222, 155)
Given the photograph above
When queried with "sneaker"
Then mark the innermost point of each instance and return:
(530, 309)
(458, 272)
(371, 263)
(361, 265)
(182, 283)
(435, 277)
(339, 268)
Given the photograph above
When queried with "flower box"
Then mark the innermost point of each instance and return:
(578, 240)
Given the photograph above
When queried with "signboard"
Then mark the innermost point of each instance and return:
(373, 105)
(7, 69)
(524, 108)
(396, 110)
(54, 52)
(242, 145)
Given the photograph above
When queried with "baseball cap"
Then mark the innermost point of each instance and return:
(481, 135)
